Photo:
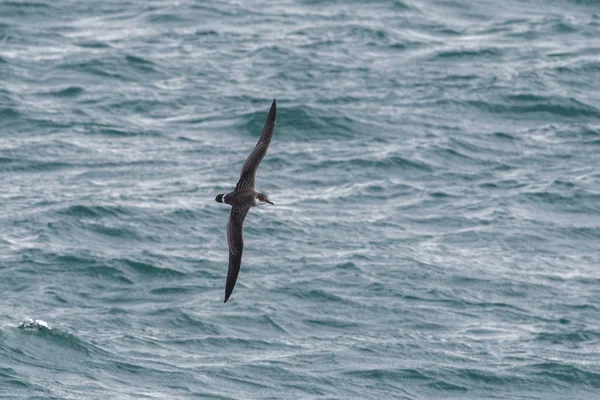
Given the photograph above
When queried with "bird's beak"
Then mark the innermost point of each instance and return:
(270, 202)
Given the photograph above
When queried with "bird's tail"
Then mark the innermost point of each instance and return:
(220, 198)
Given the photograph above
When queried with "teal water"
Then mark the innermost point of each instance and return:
(436, 174)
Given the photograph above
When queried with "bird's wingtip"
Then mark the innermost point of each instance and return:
(272, 112)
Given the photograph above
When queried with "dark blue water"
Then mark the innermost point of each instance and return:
(436, 174)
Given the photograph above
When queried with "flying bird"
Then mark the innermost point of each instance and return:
(244, 197)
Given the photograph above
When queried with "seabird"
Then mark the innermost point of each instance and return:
(244, 197)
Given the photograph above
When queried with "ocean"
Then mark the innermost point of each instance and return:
(435, 170)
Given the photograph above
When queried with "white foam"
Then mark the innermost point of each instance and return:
(34, 324)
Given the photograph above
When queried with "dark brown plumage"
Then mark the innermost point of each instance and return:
(244, 197)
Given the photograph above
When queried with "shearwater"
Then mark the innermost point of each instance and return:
(244, 197)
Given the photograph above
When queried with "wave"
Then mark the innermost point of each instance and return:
(68, 92)
(305, 123)
(150, 270)
(448, 55)
(523, 105)
(83, 211)
(565, 372)
(393, 161)
(56, 336)
(573, 338)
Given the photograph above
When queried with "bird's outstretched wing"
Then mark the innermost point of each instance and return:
(248, 174)
(236, 245)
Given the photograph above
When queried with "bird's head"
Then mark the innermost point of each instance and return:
(262, 198)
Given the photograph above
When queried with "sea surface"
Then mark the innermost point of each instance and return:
(435, 171)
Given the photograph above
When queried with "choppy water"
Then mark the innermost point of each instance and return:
(436, 174)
